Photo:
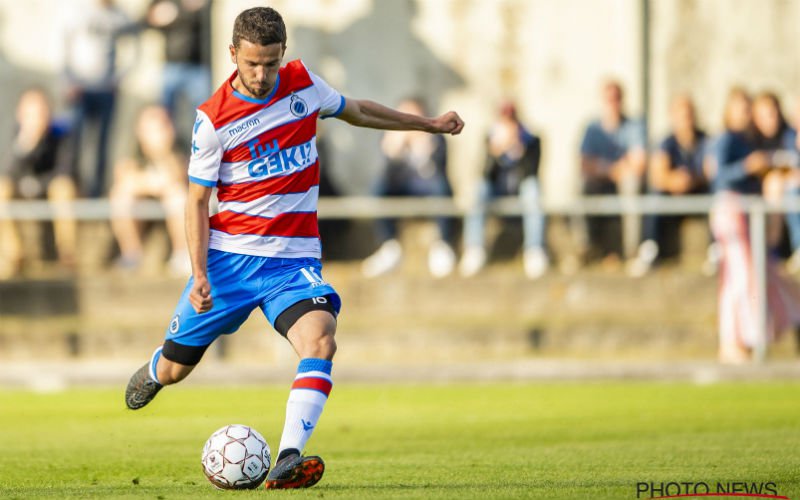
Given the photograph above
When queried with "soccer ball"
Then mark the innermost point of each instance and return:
(236, 457)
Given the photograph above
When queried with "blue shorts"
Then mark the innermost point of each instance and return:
(239, 284)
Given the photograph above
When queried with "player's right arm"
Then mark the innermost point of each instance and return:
(203, 176)
(197, 234)
(370, 114)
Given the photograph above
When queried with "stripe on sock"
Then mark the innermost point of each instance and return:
(313, 383)
(154, 362)
(316, 374)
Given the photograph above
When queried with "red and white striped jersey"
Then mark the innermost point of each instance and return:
(261, 155)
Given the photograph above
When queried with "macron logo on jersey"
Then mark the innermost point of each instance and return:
(269, 160)
(238, 129)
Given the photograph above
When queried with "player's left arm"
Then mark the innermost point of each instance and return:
(370, 114)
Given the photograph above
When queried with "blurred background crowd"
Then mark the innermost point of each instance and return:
(561, 99)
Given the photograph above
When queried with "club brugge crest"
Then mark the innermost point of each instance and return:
(175, 324)
(298, 106)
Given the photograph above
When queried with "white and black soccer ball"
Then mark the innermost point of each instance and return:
(236, 457)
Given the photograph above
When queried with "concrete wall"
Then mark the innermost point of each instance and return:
(705, 46)
(467, 55)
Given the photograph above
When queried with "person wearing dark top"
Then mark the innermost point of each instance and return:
(512, 169)
(37, 165)
(732, 167)
(416, 165)
(676, 169)
(185, 25)
(778, 141)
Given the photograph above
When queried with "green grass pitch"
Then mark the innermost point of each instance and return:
(556, 440)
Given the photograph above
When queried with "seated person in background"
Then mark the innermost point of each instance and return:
(734, 166)
(416, 165)
(157, 171)
(737, 132)
(613, 161)
(777, 141)
(512, 168)
(37, 165)
(676, 169)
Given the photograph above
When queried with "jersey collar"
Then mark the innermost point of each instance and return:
(253, 100)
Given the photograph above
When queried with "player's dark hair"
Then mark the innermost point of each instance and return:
(259, 25)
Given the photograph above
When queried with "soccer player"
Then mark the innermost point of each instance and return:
(254, 140)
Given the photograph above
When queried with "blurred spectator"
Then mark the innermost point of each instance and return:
(797, 122)
(676, 169)
(512, 168)
(37, 165)
(92, 78)
(729, 166)
(187, 73)
(775, 138)
(158, 171)
(737, 127)
(416, 165)
(613, 161)
(739, 169)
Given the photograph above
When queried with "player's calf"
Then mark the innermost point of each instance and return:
(169, 364)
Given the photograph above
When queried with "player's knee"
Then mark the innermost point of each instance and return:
(314, 336)
(322, 347)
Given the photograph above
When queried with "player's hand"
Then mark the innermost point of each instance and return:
(448, 123)
(200, 295)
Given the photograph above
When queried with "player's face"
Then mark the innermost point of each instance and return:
(258, 66)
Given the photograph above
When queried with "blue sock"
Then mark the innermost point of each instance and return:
(154, 363)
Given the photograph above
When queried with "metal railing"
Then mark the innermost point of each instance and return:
(371, 208)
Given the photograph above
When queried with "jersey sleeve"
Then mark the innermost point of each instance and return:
(206, 152)
(331, 101)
